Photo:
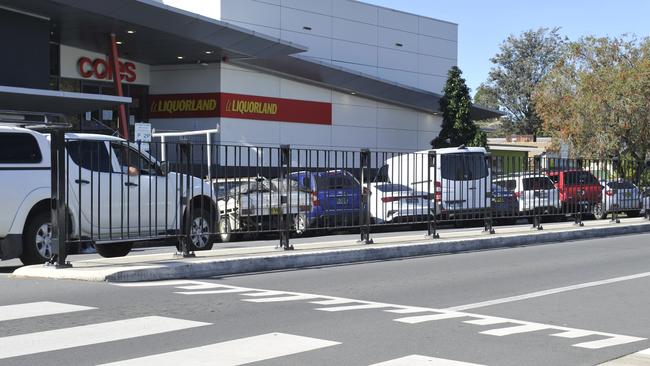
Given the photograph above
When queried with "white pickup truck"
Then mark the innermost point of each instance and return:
(116, 195)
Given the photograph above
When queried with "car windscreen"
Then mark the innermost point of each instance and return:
(620, 185)
(463, 166)
(392, 188)
(579, 179)
(537, 183)
(337, 181)
(507, 184)
(224, 187)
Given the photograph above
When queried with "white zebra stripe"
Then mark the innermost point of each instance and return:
(233, 353)
(41, 308)
(417, 360)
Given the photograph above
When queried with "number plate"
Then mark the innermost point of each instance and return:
(498, 200)
(341, 200)
(276, 210)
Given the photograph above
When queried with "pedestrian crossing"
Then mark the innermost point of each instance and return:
(416, 316)
(234, 352)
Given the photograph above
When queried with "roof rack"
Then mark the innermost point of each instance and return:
(33, 120)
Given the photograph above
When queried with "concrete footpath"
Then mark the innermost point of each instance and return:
(220, 262)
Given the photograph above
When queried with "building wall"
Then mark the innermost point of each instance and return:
(356, 122)
(409, 49)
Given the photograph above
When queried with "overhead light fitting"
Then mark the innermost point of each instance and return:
(180, 57)
(208, 52)
(118, 42)
(130, 31)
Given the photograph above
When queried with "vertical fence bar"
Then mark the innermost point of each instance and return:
(285, 172)
(487, 200)
(58, 182)
(364, 204)
(185, 222)
(432, 230)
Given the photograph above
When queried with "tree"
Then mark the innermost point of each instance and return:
(518, 68)
(497, 127)
(457, 125)
(596, 99)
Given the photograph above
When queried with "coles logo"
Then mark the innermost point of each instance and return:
(100, 69)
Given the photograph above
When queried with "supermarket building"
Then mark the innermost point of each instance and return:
(337, 74)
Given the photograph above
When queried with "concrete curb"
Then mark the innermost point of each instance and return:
(294, 260)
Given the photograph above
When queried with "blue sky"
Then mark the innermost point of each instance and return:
(483, 25)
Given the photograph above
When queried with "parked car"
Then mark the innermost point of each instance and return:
(645, 199)
(579, 190)
(335, 197)
(390, 203)
(505, 204)
(459, 183)
(255, 204)
(619, 196)
(116, 194)
(535, 193)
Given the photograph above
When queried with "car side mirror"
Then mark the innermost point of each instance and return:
(164, 167)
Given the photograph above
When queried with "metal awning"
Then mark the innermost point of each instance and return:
(52, 101)
(161, 33)
(354, 82)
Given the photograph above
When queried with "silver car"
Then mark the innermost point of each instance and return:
(619, 196)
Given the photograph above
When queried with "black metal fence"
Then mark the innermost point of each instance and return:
(117, 193)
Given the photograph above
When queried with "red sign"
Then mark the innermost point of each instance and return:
(100, 69)
(275, 109)
(239, 106)
(184, 105)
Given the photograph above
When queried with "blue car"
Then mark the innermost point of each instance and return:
(335, 195)
(504, 203)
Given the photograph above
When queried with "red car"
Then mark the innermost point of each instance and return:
(578, 189)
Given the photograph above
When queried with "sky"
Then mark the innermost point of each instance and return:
(484, 24)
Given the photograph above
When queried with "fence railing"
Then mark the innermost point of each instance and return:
(117, 193)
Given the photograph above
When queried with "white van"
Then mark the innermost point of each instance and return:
(460, 183)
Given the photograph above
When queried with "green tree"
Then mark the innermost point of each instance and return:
(596, 99)
(457, 125)
(495, 127)
(518, 68)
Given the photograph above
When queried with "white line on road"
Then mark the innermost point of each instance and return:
(333, 301)
(41, 308)
(429, 318)
(608, 342)
(548, 292)
(282, 298)
(487, 321)
(26, 344)
(213, 292)
(515, 330)
(353, 307)
(417, 360)
(233, 353)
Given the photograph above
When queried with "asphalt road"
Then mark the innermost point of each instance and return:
(572, 303)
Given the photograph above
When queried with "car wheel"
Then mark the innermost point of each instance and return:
(300, 224)
(225, 230)
(200, 230)
(37, 240)
(634, 213)
(598, 211)
(114, 250)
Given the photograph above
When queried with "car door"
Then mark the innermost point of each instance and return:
(93, 192)
(149, 197)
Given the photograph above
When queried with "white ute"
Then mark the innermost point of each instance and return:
(119, 203)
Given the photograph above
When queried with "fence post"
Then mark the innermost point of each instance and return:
(59, 223)
(537, 212)
(364, 204)
(432, 231)
(185, 196)
(488, 195)
(285, 171)
(615, 166)
(578, 215)
(647, 191)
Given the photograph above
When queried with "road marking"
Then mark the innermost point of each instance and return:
(417, 360)
(32, 309)
(201, 286)
(213, 292)
(429, 318)
(548, 292)
(487, 321)
(233, 353)
(608, 342)
(353, 307)
(515, 330)
(439, 314)
(282, 298)
(333, 302)
(26, 344)
(160, 283)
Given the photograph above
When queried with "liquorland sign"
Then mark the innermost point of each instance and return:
(239, 106)
(76, 63)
